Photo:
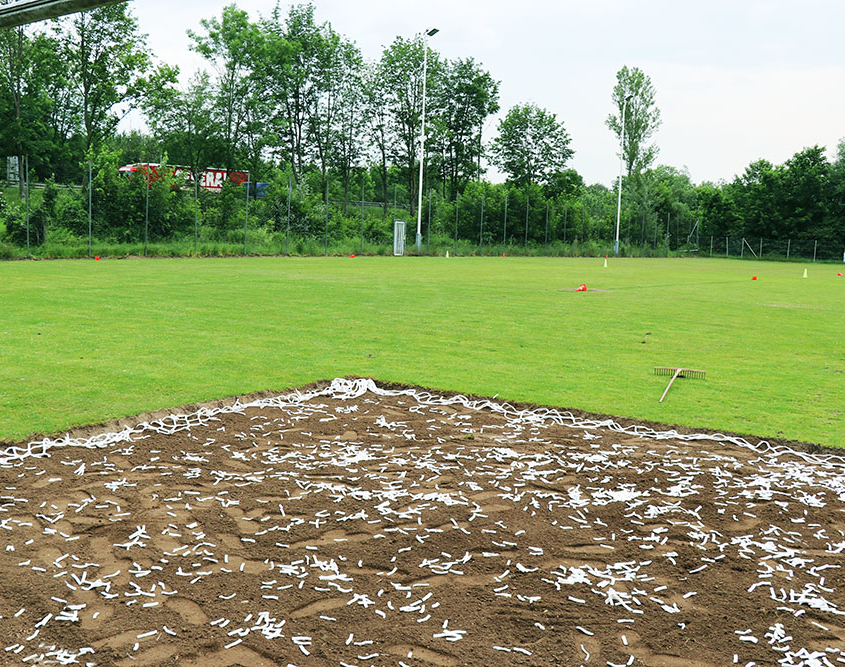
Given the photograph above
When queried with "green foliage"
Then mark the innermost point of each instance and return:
(634, 94)
(288, 96)
(532, 145)
(466, 97)
(106, 56)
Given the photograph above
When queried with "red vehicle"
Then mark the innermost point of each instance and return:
(211, 179)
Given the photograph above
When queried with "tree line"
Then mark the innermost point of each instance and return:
(337, 138)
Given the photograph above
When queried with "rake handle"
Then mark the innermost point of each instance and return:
(668, 386)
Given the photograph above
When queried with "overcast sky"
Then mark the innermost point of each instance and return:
(735, 80)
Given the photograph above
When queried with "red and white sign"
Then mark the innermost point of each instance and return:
(211, 179)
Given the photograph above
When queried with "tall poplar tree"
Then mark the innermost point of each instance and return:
(635, 92)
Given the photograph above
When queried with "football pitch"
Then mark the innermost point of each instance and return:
(86, 341)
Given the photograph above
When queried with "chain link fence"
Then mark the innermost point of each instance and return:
(131, 217)
(770, 249)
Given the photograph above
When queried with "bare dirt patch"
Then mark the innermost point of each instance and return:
(356, 525)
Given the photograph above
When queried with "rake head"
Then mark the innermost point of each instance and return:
(682, 372)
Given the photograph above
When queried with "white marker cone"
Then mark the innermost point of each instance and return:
(605, 262)
(447, 254)
(805, 273)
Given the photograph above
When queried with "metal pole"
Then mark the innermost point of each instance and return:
(362, 213)
(246, 211)
(788, 244)
(428, 245)
(621, 162)
(426, 35)
(505, 232)
(711, 245)
(583, 224)
(526, 220)
(726, 247)
(147, 211)
(547, 225)
(196, 210)
(457, 207)
(761, 247)
(565, 212)
(26, 183)
(481, 233)
(327, 217)
(287, 234)
(815, 247)
(89, 209)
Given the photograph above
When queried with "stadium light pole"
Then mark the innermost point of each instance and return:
(428, 33)
(621, 163)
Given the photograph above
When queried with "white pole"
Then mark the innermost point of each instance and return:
(621, 163)
(426, 35)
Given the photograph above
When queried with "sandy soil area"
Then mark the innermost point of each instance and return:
(354, 525)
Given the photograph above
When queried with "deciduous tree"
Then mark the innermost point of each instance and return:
(635, 91)
(531, 145)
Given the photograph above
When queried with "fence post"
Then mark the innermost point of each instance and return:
(428, 244)
(788, 244)
(457, 208)
(287, 234)
(89, 208)
(327, 217)
(481, 233)
(26, 183)
(526, 220)
(505, 230)
(815, 246)
(546, 245)
(147, 211)
(246, 210)
(196, 215)
(565, 211)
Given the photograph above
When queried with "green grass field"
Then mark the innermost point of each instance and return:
(84, 341)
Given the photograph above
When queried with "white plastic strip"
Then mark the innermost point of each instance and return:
(347, 389)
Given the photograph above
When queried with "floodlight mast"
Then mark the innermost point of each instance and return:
(428, 33)
(29, 11)
(621, 162)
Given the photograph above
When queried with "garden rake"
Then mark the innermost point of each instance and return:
(676, 373)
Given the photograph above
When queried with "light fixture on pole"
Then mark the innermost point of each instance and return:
(621, 163)
(428, 33)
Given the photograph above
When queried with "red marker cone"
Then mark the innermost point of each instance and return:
(581, 288)
(97, 258)
(838, 274)
(503, 254)
(753, 277)
(352, 255)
